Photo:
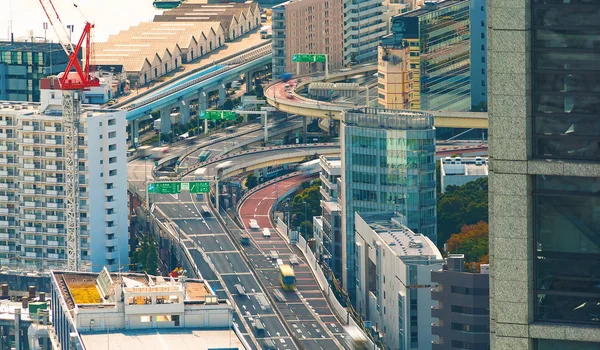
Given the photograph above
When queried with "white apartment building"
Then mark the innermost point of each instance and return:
(393, 269)
(33, 187)
(457, 171)
(364, 25)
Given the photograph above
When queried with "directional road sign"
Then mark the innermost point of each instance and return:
(218, 115)
(177, 187)
(308, 57)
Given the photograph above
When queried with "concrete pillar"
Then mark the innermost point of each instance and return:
(202, 102)
(184, 109)
(304, 129)
(17, 329)
(165, 120)
(222, 94)
(248, 81)
(134, 126)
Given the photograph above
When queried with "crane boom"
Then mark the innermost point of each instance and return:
(59, 28)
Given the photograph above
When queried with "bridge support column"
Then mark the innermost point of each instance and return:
(249, 83)
(134, 127)
(222, 94)
(304, 129)
(184, 110)
(165, 120)
(202, 106)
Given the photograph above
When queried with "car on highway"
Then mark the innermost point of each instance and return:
(260, 328)
(253, 224)
(269, 344)
(266, 232)
(245, 240)
(111, 102)
(294, 259)
(290, 95)
(273, 254)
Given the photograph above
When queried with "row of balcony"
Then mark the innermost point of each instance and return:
(40, 128)
(9, 197)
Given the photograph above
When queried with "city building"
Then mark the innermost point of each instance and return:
(237, 19)
(394, 268)
(458, 171)
(543, 93)
(33, 188)
(152, 49)
(462, 313)
(307, 26)
(126, 310)
(437, 36)
(477, 13)
(328, 227)
(364, 25)
(23, 64)
(387, 165)
(394, 77)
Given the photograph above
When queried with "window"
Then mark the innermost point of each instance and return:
(112, 172)
(482, 59)
(112, 134)
(567, 266)
(146, 319)
(548, 344)
(100, 136)
(112, 147)
(112, 122)
(112, 160)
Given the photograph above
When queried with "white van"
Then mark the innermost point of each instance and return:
(266, 232)
(273, 254)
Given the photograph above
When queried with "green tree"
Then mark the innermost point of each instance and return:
(251, 181)
(301, 214)
(152, 258)
(472, 241)
(461, 205)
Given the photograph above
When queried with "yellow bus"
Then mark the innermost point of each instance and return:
(287, 279)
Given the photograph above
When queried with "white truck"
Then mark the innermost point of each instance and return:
(156, 125)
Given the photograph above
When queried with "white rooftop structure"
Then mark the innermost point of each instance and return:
(458, 171)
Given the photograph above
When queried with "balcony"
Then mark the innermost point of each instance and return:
(32, 255)
(30, 217)
(30, 229)
(51, 205)
(110, 230)
(4, 236)
(51, 166)
(55, 256)
(4, 173)
(54, 243)
(111, 242)
(4, 135)
(5, 198)
(29, 204)
(28, 140)
(29, 178)
(52, 155)
(55, 230)
(52, 218)
(4, 210)
(29, 166)
(51, 179)
(4, 248)
(112, 255)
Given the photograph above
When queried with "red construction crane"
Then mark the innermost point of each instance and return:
(81, 79)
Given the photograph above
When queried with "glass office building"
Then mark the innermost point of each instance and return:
(387, 165)
(23, 64)
(438, 35)
(544, 98)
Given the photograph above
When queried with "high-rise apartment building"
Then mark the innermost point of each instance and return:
(477, 13)
(387, 165)
(364, 26)
(437, 37)
(23, 64)
(33, 188)
(307, 26)
(544, 113)
(394, 269)
(462, 309)
(327, 228)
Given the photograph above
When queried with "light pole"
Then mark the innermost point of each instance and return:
(306, 219)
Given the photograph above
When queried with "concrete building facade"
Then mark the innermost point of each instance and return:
(543, 96)
(388, 165)
(394, 77)
(462, 312)
(477, 14)
(328, 227)
(364, 25)
(307, 26)
(32, 185)
(23, 64)
(438, 36)
(394, 269)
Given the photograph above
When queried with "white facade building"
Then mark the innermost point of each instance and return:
(458, 171)
(394, 268)
(364, 25)
(128, 305)
(33, 187)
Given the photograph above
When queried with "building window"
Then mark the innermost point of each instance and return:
(146, 319)
(112, 122)
(112, 147)
(550, 344)
(567, 249)
(112, 172)
(112, 160)
(566, 80)
(112, 134)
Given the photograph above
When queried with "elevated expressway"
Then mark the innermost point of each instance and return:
(278, 97)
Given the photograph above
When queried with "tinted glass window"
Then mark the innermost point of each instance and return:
(566, 79)
(548, 344)
(567, 238)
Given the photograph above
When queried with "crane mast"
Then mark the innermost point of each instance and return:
(72, 84)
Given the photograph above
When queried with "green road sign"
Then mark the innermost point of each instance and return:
(177, 187)
(218, 115)
(198, 187)
(164, 187)
(308, 57)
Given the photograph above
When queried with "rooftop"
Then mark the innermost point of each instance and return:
(332, 162)
(401, 240)
(163, 339)
(466, 167)
(193, 10)
(430, 8)
(33, 109)
(29, 46)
